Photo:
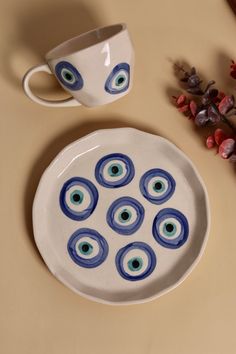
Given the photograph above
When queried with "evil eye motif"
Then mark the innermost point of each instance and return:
(125, 215)
(157, 186)
(170, 228)
(114, 170)
(69, 76)
(87, 248)
(136, 261)
(118, 80)
(78, 198)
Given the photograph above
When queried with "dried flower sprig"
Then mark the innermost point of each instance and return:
(207, 106)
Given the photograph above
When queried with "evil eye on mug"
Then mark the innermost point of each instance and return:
(135, 261)
(87, 248)
(78, 198)
(125, 215)
(170, 228)
(118, 80)
(69, 76)
(114, 170)
(157, 186)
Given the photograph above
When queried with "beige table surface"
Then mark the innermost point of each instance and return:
(39, 315)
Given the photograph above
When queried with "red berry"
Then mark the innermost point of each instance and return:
(226, 104)
(210, 142)
(181, 100)
(226, 148)
(193, 108)
(219, 136)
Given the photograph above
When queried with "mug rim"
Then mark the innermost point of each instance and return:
(49, 56)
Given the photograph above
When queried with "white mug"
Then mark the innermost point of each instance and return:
(95, 68)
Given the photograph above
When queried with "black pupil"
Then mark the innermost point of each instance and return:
(135, 263)
(114, 170)
(120, 80)
(158, 185)
(85, 248)
(68, 76)
(169, 227)
(76, 197)
(125, 215)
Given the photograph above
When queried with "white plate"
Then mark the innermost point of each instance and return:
(124, 228)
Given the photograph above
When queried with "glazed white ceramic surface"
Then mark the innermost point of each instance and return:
(53, 228)
(95, 60)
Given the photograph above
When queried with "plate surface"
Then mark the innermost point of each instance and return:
(121, 216)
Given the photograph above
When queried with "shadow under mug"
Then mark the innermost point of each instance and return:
(95, 68)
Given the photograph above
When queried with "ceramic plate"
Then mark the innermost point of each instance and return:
(121, 216)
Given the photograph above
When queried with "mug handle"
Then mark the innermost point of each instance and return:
(68, 102)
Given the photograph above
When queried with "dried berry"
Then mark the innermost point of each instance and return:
(181, 100)
(193, 108)
(201, 118)
(226, 148)
(193, 81)
(210, 142)
(186, 106)
(219, 136)
(213, 115)
(226, 104)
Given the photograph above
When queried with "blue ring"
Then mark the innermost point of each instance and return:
(78, 84)
(136, 245)
(145, 179)
(169, 243)
(125, 229)
(93, 193)
(121, 182)
(88, 262)
(115, 70)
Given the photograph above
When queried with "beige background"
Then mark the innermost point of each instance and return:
(38, 315)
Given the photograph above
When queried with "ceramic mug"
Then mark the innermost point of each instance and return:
(95, 68)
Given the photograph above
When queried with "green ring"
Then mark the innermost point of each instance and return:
(167, 233)
(90, 250)
(158, 190)
(126, 211)
(81, 194)
(130, 264)
(66, 71)
(120, 168)
(117, 79)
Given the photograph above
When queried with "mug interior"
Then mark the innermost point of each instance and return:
(84, 41)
